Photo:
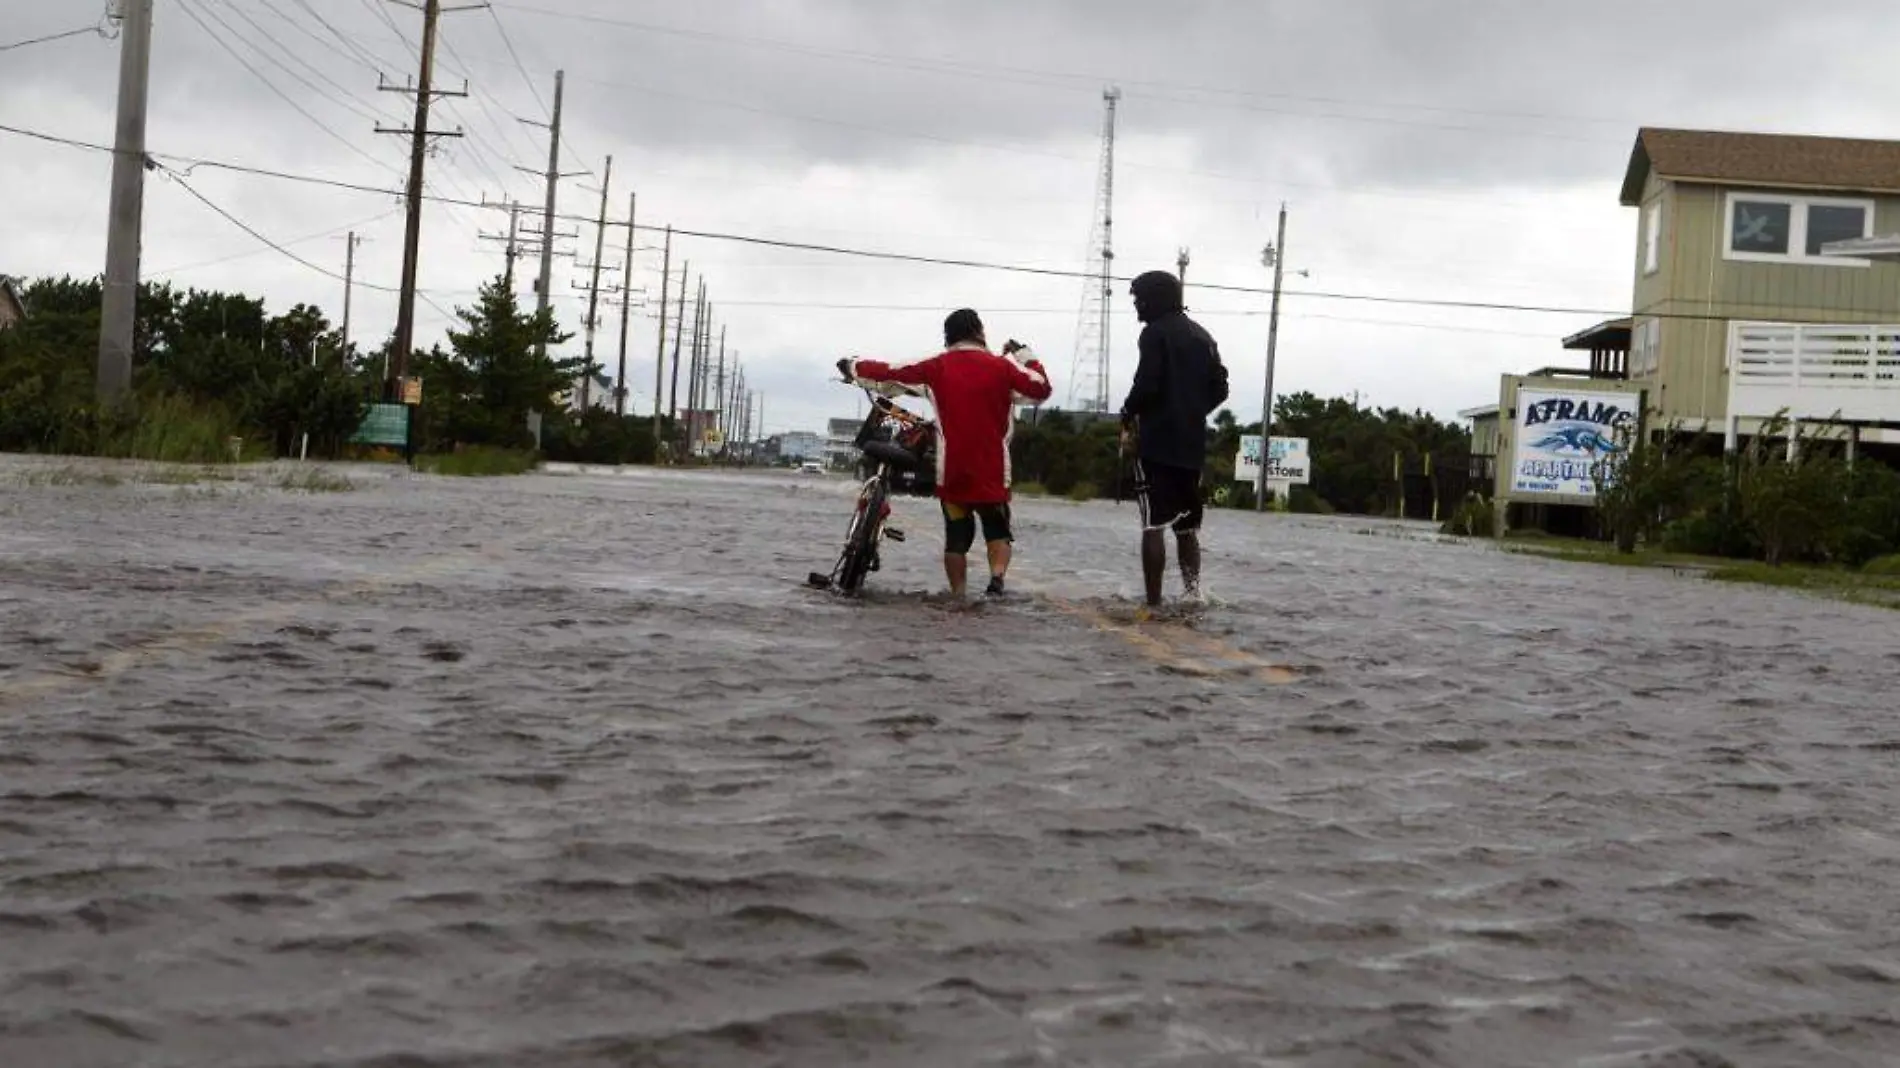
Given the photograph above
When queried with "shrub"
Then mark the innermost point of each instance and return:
(1885, 565)
(1711, 533)
(1029, 489)
(479, 461)
(1303, 500)
(1083, 491)
(1476, 517)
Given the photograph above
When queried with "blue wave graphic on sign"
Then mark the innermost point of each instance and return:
(1578, 438)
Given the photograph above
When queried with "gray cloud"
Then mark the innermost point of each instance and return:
(1455, 149)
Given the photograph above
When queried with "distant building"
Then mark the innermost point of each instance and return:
(841, 437)
(802, 445)
(12, 302)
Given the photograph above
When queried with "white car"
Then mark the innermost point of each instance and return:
(811, 467)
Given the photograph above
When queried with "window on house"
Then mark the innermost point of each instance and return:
(1652, 238)
(1780, 229)
(1835, 222)
(1644, 342)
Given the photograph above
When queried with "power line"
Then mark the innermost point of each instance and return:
(179, 177)
(94, 28)
(374, 62)
(922, 260)
(1075, 81)
(516, 56)
(343, 95)
(188, 8)
(254, 252)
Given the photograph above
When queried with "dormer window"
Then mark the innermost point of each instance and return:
(1766, 228)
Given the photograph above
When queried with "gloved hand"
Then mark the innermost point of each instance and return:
(1018, 351)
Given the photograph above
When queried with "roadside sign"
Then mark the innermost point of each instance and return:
(1288, 463)
(384, 424)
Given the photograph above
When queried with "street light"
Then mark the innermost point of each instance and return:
(1272, 256)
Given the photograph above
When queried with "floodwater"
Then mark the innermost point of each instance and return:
(570, 771)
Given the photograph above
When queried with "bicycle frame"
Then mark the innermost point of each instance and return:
(860, 555)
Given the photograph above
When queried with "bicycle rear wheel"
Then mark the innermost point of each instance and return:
(860, 545)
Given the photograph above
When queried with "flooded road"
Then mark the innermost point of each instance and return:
(569, 771)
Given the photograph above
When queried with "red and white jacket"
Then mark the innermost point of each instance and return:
(975, 393)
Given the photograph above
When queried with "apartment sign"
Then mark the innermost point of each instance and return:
(1564, 438)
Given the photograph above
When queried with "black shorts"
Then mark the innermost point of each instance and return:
(1169, 497)
(959, 525)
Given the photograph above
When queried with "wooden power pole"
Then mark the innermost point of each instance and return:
(419, 135)
(126, 214)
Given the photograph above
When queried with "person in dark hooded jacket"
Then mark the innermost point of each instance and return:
(1179, 382)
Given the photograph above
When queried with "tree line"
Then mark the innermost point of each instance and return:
(1352, 449)
(212, 366)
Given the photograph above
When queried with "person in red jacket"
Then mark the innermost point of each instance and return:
(975, 393)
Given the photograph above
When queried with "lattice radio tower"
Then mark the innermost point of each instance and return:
(1089, 374)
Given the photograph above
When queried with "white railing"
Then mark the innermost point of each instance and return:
(1814, 372)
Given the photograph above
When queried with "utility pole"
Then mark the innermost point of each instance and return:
(553, 177)
(679, 330)
(511, 251)
(719, 386)
(626, 306)
(349, 286)
(1275, 257)
(126, 216)
(696, 373)
(1181, 264)
(593, 290)
(419, 135)
(659, 356)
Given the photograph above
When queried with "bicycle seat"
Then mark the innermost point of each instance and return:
(891, 453)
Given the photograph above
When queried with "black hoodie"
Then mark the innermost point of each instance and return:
(1178, 384)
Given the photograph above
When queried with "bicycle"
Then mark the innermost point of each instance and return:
(901, 446)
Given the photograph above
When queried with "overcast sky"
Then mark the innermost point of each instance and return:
(1464, 150)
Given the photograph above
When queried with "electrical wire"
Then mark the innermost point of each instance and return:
(1076, 81)
(179, 177)
(94, 28)
(189, 9)
(923, 260)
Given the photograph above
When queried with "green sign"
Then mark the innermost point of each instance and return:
(385, 424)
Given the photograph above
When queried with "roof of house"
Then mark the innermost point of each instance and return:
(1607, 335)
(10, 286)
(1782, 161)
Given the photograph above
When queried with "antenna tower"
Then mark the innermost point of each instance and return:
(1089, 374)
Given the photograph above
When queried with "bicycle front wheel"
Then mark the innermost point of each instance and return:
(860, 546)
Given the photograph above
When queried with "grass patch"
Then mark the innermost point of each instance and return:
(1860, 587)
(1084, 492)
(481, 462)
(171, 429)
(69, 475)
(1029, 489)
(1886, 565)
(314, 480)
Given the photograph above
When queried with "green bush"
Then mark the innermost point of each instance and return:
(1475, 518)
(1302, 500)
(1711, 533)
(479, 461)
(1885, 565)
(1083, 491)
(1029, 489)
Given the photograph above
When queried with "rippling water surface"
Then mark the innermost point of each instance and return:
(570, 771)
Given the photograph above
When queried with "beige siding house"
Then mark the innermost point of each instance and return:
(1737, 305)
